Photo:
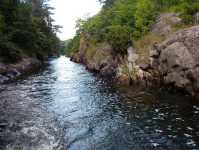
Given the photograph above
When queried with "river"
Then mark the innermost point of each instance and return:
(64, 107)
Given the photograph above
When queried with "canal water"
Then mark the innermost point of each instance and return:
(64, 107)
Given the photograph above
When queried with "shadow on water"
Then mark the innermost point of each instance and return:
(66, 107)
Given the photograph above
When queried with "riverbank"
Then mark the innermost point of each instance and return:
(12, 71)
(167, 56)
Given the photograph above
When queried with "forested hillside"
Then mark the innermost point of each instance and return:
(120, 22)
(26, 27)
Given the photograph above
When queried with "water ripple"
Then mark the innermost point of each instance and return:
(66, 107)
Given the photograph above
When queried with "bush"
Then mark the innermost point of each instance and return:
(26, 25)
(2, 24)
(72, 45)
(144, 16)
(187, 9)
(9, 52)
(144, 45)
(119, 19)
(119, 38)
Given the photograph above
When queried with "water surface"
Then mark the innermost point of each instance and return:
(66, 107)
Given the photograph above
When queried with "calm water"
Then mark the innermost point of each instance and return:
(65, 107)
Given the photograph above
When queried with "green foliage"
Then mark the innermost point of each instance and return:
(2, 24)
(27, 26)
(119, 38)
(9, 52)
(107, 3)
(118, 19)
(144, 15)
(162, 4)
(64, 47)
(115, 18)
(187, 9)
(72, 45)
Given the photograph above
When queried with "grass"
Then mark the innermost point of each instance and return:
(145, 44)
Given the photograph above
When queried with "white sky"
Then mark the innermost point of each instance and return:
(68, 11)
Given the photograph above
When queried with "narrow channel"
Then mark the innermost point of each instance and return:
(64, 107)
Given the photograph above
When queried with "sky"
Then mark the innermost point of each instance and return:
(68, 11)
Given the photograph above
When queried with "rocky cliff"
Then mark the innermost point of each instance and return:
(98, 58)
(177, 59)
(173, 59)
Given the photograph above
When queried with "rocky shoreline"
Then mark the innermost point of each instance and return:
(174, 62)
(10, 72)
(177, 59)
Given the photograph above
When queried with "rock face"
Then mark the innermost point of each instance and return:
(9, 72)
(132, 58)
(177, 59)
(129, 72)
(96, 59)
(196, 18)
(165, 22)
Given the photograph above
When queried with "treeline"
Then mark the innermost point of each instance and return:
(26, 27)
(122, 21)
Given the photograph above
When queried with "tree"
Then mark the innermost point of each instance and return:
(107, 3)
(119, 38)
(27, 26)
(144, 16)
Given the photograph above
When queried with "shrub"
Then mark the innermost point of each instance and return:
(119, 38)
(144, 16)
(72, 45)
(187, 9)
(9, 52)
(144, 45)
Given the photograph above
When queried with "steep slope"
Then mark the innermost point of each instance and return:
(139, 48)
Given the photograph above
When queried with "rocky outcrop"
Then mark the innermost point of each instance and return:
(177, 59)
(165, 23)
(97, 58)
(174, 61)
(131, 72)
(10, 72)
(196, 18)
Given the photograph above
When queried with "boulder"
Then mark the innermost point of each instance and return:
(108, 71)
(123, 80)
(132, 56)
(145, 67)
(102, 61)
(76, 58)
(178, 59)
(165, 23)
(10, 72)
(3, 79)
(13, 73)
(3, 68)
(196, 18)
(176, 56)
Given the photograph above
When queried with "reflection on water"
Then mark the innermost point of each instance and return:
(65, 107)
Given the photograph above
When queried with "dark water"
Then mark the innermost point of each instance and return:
(65, 107)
